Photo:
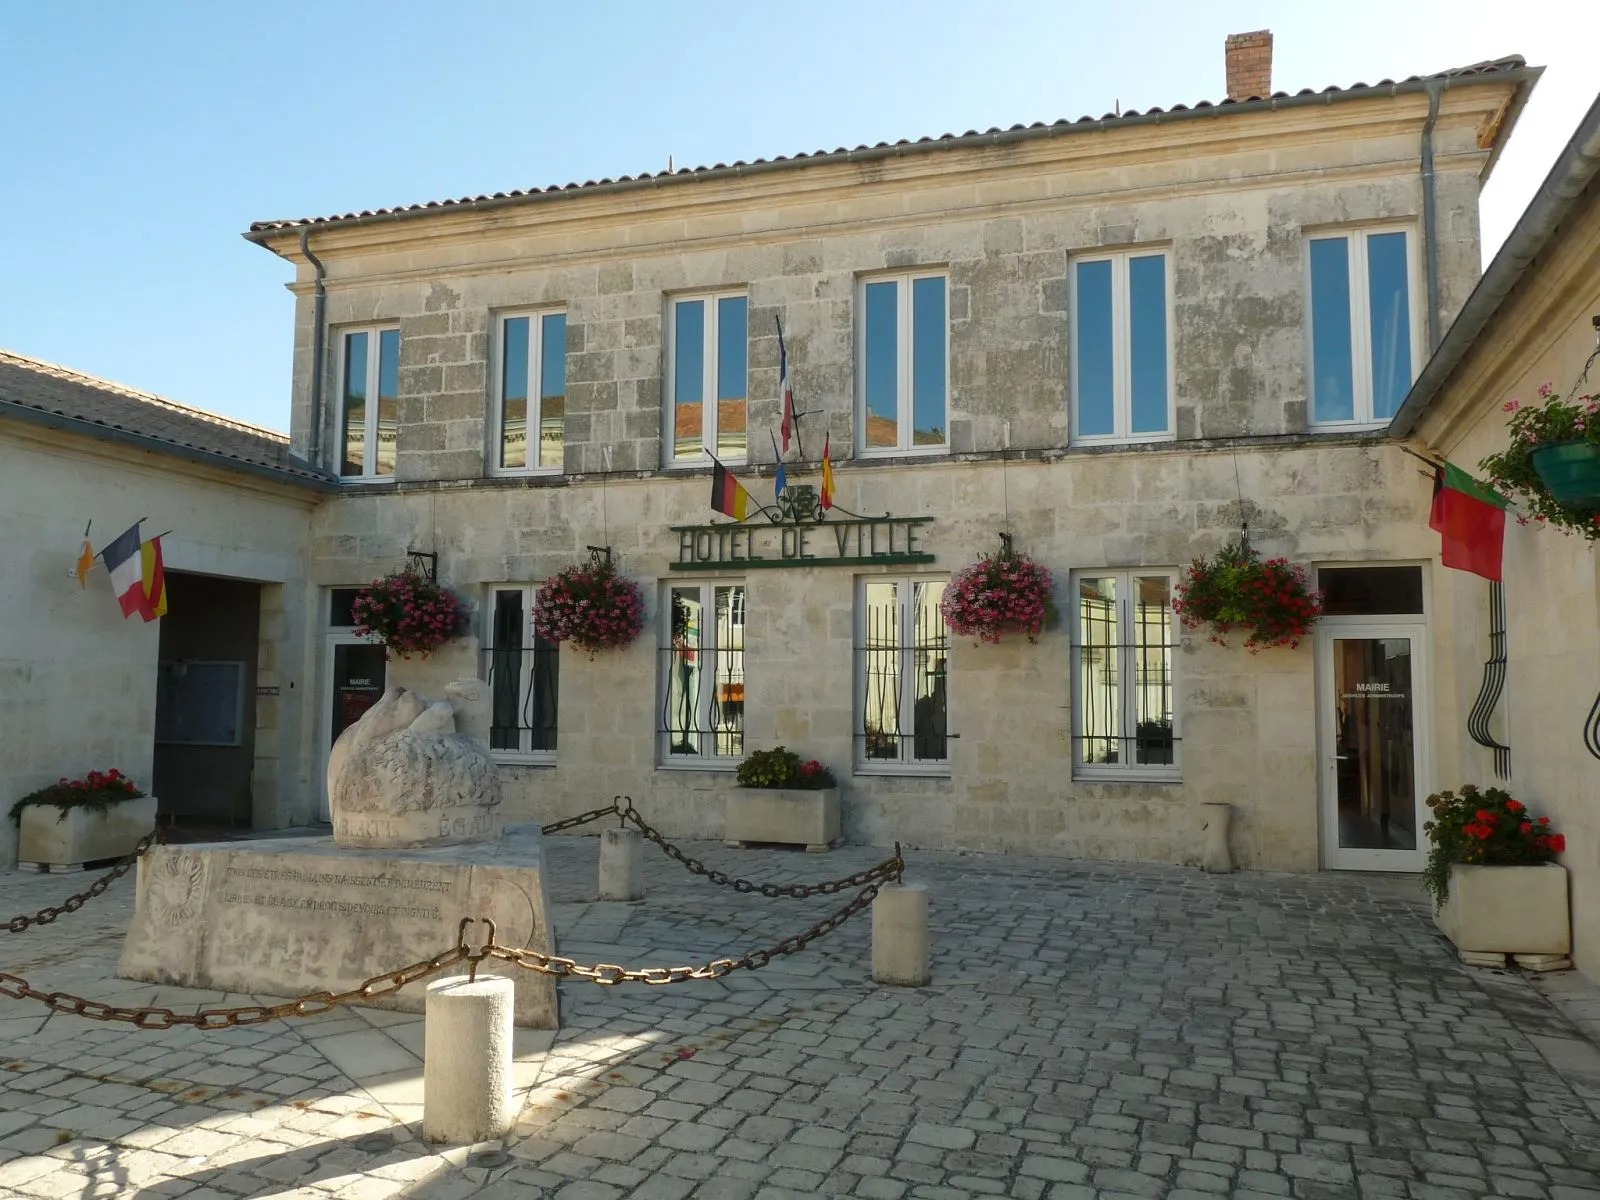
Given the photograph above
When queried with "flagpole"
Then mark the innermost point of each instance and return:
(799, 441)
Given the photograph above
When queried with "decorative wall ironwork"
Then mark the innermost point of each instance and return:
(1494, 683)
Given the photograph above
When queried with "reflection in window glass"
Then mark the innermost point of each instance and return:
(1124, 696)
(524, 677)
(1096, 357)
(688, 377)
(514, 393)
(388, 399)
(733, 347)
(1147, 333)
(552, 389)
(1099, 692)
(355, 405)
(882, 366)
(1152, 659)
(1374, 741)
(1333, 384)
(928, 362)
(702, 687)
(1361, 355)
(902, 673)
(1390, 309)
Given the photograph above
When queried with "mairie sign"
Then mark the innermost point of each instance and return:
(789, 539)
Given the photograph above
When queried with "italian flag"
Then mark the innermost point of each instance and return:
(1471, 520)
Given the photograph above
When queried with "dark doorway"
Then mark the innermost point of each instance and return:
(206, 701)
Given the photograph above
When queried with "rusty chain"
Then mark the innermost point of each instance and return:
(73, 903)
(594, 814)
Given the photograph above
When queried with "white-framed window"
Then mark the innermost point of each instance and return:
(530, 393)
(708, 361)
(369, 374)
(701, 720)
(902, 718)
(523, 672)
(1122, 347)
(903, 364)
(1124, 675)
(1364, 334)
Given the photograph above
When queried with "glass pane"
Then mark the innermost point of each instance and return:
(733, 347)
(1390, 296)
(880, 655)
(514, 394)
(1152, 665)
(688, 377)
(341, 607)
(552, 388)
(930, 649)
(358, 682)
(1147, 334)
(1371, 591)
(928, 363)
(1096, 405)
(727, 704)
(882, 366)
(355, 405)
(546, 689)
(1332, 384)
(388, 398)
(681, 703)
(506, 670)
(1373, 756)
(1099, 715)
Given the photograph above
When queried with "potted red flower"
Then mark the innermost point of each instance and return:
(589, 605)
(1271, 601)
(409, 613)
(1000, 594)
(76, 821)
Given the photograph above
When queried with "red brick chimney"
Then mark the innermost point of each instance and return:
(1249, 64)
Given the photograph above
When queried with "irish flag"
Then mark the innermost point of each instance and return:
(1471, 520)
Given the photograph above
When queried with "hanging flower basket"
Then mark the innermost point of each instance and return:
(589, 605)
(409, 613)
(1271, 601)
(1000, 594)
(1551, 468)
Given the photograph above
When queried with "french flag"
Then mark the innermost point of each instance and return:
(785, 390)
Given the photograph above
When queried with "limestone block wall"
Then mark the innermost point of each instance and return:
(77, 680)
(1248, 722)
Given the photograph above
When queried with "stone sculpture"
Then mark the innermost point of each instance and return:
(403, 775)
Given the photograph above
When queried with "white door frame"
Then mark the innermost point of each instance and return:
(332, 638)
(1328, 630)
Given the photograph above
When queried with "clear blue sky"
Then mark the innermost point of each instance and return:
(140, 140)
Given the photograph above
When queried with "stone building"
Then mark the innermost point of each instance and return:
(1522, 655)
(1113, 339)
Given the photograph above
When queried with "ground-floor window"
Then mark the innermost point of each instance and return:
(523, 672)
(902, 651)
(701, 718)
(1124, 693)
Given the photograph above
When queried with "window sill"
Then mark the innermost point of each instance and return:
(525, 472)
(522, 760)
(1348, 427)
(1140, 439)
(892, 452)
(905, 770)
(1079, 775)
(704, 464)
(722, 766)
(365, 480)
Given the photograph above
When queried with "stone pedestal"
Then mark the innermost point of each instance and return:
(900, 935)
(49, 836)
(466, 1061)
(621, 865)
(1507, 910)
(807, 818)
(286, 916)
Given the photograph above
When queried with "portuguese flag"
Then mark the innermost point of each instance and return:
(727, 493)
(1471, 520)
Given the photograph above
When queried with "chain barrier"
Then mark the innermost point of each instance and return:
(73, 903)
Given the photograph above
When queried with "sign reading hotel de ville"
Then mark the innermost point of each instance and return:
(797, 534)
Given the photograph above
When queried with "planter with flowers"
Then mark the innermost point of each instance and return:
(781, 798)
(77, 821)
(1494, 886)
(589, 605)
(1551, 468)
(409, 613)
(999, 594)
(1271, 602)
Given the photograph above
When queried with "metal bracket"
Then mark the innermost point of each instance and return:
(424, 563)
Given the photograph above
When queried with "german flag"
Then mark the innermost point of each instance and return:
(727, 493)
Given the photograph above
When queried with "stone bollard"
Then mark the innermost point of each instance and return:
(900, 935)
(1216, 858)
(466, 1060)
(621, 868)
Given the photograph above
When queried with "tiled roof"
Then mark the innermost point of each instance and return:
(1500, 66)
(33, 389)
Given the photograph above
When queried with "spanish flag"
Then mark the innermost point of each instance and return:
(727, 493)
(827, 475)
(154, 579)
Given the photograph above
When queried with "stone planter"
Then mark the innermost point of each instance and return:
(807, 818)
(1507, 910)
(46, 837)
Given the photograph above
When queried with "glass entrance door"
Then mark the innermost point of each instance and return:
(1373, 710)
(356, 675)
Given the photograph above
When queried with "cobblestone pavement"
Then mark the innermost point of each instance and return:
(1093, 1031)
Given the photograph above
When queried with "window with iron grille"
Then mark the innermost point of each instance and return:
(1124, 695)
(701, 720)
(902, 655)
(523, 672)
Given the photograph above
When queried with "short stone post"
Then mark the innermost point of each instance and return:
(1216, 858)
(467, 1093)
(621, 865)
(900, 935)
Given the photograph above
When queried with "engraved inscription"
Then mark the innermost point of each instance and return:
(337, 906)
(328, 878)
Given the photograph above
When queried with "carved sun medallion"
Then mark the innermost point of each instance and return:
(174, 893)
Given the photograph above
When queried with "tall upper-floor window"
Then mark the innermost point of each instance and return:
(370, 403)
(530, 392)
(903, 356)
(1121, 348)
(708, 353)
(1363, 338)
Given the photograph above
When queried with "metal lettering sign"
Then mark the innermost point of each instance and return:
(798, 535)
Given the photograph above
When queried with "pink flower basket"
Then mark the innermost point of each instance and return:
(589, 605)
(409, 613)
(999, 594)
